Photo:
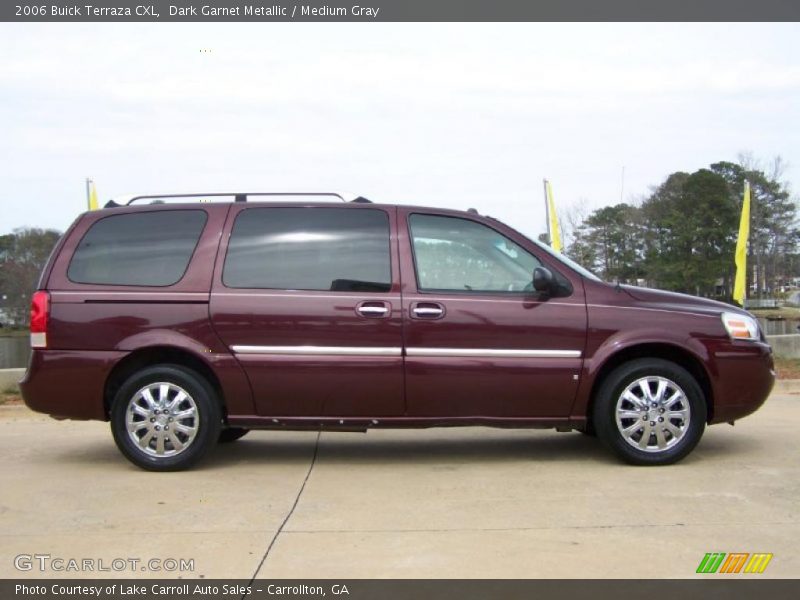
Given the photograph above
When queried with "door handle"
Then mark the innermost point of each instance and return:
(373, 310)
(427, 310)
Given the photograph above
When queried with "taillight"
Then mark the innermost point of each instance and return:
(40, 311)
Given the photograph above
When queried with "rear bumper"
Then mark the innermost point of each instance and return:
(68, 383)
(742, 378)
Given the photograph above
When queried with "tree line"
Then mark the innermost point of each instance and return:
(683, 235)
(23, 255)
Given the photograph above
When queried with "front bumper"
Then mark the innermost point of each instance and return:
(743, 374)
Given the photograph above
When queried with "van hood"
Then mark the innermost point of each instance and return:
(679, 302)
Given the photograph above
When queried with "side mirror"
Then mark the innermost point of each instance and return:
(543, 280)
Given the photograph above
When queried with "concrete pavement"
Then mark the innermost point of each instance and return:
(433, 503)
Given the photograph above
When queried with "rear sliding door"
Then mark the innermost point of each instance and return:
(307, 300)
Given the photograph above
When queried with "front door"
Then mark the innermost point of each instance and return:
(307, 300)
(479, 341)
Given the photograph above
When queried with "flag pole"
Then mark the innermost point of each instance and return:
(547, 214)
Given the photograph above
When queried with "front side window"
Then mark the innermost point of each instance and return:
(329, 249)
(459, 255)
(139, 249)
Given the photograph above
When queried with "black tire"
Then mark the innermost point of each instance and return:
(206, 421)
(231, 434)
(675, 447)
(588, 429)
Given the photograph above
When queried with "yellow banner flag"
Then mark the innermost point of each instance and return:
(91, 195)
(740, 283)
(555, 232)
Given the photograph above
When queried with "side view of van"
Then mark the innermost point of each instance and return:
(187, 321)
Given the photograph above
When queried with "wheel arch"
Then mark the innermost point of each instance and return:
(154, 355)
(665, 351)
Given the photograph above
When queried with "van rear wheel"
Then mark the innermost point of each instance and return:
(650, 412)
(165, 418)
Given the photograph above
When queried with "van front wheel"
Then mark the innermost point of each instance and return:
(165, 418)
(650, 412)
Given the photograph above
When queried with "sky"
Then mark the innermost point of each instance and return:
(446, 115)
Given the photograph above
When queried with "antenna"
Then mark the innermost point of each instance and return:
(622, 185)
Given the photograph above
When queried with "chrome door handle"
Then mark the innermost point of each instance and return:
(428, 311)
(372, 310)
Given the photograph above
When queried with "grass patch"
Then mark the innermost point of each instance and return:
(784, 312)
(7, 332)
(10, 398)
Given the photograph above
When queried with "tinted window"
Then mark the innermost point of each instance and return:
(460, 255)
(309, 249)
(152, 248)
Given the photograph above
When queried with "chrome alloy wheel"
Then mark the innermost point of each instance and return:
(162, 419)
(653, 414)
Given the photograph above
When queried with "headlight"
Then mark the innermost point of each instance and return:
(741, 327)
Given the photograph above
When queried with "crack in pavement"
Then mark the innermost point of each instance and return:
(563, 527)
(288, 515)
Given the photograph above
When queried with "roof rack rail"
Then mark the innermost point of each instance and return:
(237, 196)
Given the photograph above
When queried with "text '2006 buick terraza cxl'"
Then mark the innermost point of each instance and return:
(189, 321)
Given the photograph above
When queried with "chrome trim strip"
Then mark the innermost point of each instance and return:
(318, 350)
(492, 353)
(389, 351)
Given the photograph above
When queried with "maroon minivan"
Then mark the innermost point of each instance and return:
(191, 322)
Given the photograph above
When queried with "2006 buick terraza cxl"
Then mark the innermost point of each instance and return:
(188, 323)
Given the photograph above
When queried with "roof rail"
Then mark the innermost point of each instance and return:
(237, 196)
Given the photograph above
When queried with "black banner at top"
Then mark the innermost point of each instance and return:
(397, 10)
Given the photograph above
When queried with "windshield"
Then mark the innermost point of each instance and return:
(566, 260)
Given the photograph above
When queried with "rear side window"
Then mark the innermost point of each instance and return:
(330, 249)
(142, 249)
